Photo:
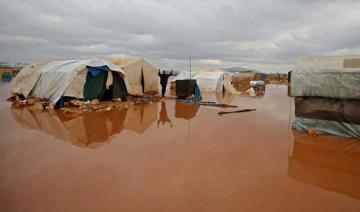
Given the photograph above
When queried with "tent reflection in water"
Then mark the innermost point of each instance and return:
(87, 130)
(186, 111)
(331, 163)
(141, 117)
(90, 129)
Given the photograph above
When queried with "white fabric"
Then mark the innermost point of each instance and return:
(76, 87)
(26, 80)
(184, 75)
(109, 80)
(214, 82)
(134, 69)
(325, 77)
(54, 78)
(326, 62)
(332, 83)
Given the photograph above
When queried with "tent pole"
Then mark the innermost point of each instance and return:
(190, 67)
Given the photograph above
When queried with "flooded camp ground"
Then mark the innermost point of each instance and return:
(169, 156)
(152, 154)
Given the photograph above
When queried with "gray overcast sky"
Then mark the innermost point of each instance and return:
(264, 34)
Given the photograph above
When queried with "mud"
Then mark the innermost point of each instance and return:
(167, 156)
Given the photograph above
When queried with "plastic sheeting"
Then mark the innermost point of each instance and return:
(214, 82)
(26, 79)
(332, 83)
(184, 75)
(327, 127)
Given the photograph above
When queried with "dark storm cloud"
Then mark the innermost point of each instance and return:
(215, 33)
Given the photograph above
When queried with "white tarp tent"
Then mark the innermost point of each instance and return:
(138, 70)
(210, 81)
(184, 75)
(51, 79)
(214, 82)
(333, 77)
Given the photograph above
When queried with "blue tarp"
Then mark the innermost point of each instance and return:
(327, 127)
(94, 71)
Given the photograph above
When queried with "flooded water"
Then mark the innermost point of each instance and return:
(169, 156)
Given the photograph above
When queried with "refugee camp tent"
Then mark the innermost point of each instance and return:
(214, 81)
(84, 79)
(141, 75)
(184, 75)
(210, 81)
(333, 77)
(327, 95)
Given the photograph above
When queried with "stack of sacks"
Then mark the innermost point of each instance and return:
(327, 95)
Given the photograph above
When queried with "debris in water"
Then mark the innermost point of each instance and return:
(236, 111)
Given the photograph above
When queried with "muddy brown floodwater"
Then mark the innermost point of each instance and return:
(169, 156)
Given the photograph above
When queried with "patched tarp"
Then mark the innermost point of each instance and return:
(327, 127)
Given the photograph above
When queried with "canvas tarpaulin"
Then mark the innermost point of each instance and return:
(140, 74)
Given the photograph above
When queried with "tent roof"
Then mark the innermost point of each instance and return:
(329, 62)
(123, 62)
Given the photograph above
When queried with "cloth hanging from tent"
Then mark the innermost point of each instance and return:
(95, 86)
(94, 71)
(109, 80)
(197, 92)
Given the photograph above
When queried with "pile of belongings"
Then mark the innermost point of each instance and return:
(327, 95)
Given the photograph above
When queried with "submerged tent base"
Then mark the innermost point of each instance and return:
(325, 127)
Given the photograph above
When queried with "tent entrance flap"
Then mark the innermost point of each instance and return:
(117, 89)
(94, 87)
(142, 81)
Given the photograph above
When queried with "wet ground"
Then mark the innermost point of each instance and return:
(169, 156)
